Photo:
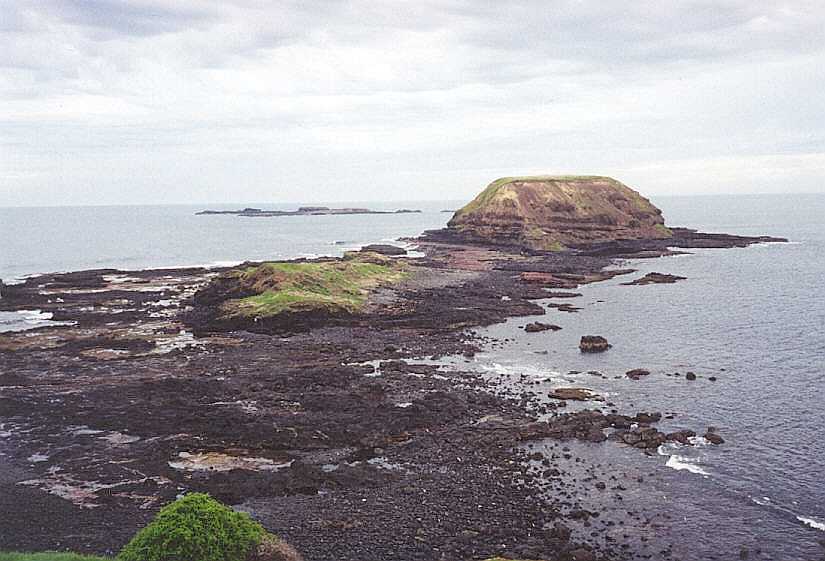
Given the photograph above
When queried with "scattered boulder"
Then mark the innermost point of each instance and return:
(593, 344)
(538, 326)
(637, 373)
(573, 394)
(712, 437)
(682, 436)
(655, 278)
(642, 437)
(690, 376)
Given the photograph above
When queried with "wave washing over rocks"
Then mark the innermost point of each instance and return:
(312, 394)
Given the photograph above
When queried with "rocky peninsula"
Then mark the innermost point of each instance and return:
(311, 393)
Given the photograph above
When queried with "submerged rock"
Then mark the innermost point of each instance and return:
(549, 213)
(574, 394)
(712, 437)
(682, 436)
(593, 344)
(637, 373)
(537, 326)
(655, 278)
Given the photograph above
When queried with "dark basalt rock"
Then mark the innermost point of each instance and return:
(712, 437)
(637, 373)
(384, 249)
(655, 278)
(569, 308)
(573, 394)
(593, 344)
(538, 326)
(681, 436)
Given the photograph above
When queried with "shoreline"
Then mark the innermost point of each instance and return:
(453, 407)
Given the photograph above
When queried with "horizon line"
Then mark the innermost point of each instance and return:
(373, 201)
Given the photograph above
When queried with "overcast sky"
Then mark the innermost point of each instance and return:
(176, 101)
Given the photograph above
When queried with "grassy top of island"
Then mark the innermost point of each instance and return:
(333, 286)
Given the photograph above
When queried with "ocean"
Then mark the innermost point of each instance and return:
(753, 318)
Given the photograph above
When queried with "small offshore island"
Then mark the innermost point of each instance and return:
(303, 211)
(309, 392)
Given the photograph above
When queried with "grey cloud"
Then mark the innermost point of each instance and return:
(462, 87)
(130, 17)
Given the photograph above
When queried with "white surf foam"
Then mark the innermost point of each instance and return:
(24, 320)
(816, 524)
(680, 463)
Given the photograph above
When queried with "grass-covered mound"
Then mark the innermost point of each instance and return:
(332, 286)
(48, 556)
(195, 528)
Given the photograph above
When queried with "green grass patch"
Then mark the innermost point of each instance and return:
(336, 286)
(48, 556)
(195, 527)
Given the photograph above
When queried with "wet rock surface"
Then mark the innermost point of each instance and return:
(593, 344)
(384, 249)
(333, 431)
(537, 326)
(655, 278)
(637, 373)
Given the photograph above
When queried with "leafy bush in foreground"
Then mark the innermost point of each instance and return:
(195, 528)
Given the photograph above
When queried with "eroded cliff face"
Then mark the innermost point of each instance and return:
(550, 213)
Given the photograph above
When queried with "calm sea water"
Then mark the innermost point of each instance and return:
(752, 317)
(54, 239)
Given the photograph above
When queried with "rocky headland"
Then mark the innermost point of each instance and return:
(311, 393)
(555, 212)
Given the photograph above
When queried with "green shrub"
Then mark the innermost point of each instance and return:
(195, 528)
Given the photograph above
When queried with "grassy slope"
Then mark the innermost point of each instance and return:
(47, 556)
(493, 188)
(332, 285)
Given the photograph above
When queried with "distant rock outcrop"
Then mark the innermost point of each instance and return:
(547, 213)
(593, 344)
(303, 211)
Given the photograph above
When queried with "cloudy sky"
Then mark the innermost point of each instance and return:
(175, 101)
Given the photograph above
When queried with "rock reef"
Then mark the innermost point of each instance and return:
(302, 211)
